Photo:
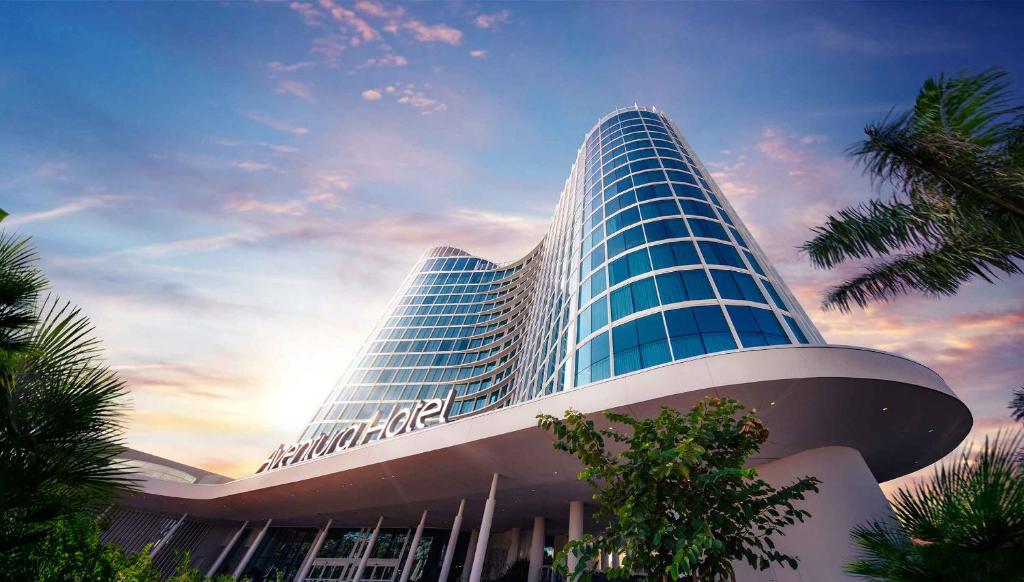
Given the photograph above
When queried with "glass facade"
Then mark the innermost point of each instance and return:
(645, 263)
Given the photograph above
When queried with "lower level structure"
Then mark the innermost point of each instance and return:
(467, 500)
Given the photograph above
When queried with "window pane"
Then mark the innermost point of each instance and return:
(674, 254)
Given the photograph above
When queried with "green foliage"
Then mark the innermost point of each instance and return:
(60, 408)
(956, 164)
(678, 500)
(1017, 405)
(965, 524)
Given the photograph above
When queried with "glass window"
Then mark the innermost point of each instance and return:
(636, 296)
(652, 192)
(592, 362)
(740, 286)
(593, 286)
(674, 254)
(708, 229)
(631, 265)
(593, 318)
(658, 208)
(684, 286)
(595, 259)
(797, 332)
(619, 202)
(720, 254)
(625, 240)
(774, 295)
(688, 191)
(756, 327)
(698, 330)
(694, 208)
(753, 263)
(664, 229)
(640, 343)
(622, 220)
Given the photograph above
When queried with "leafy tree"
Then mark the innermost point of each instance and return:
(956, 165)
(678, 500)
(965, 524)
(60, 408)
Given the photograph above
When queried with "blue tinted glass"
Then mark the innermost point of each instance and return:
(774, 295)
(688, 191)
(658, 208)
(708, 229)
(625, 240)
(694, 208)
(653, 191)
(797, 332)
(720, 254)
(622, 220)
(754, 263)
(697, 285)
(674, 254)
(630, 265)
(664, 229)
(620, 201)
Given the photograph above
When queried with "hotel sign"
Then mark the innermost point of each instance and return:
(401, 420)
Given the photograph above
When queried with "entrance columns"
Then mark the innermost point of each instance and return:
(575, 530)
(251, 550)
(536, 550)
(485, 533)
(407, 570)
(453, 539)
(369, 550)
(227, 548)
(313, 550)
(470, 553)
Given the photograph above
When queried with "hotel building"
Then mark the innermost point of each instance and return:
(425, 463)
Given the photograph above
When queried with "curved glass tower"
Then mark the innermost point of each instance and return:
(645, 263)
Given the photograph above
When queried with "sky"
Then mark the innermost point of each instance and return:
(233, 191)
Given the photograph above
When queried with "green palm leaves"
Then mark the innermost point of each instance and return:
(965, 524)
(60, 407)
(956, 166)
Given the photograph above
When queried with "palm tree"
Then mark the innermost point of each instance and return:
(955, 164)
(965, 524)
(1017, 405)
(60, 408)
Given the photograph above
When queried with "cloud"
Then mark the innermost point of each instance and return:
(264, 119)
(329, 48)
(253, 166)
(371, 95)
(69, 208)
(434, 32)
(378, 10)
(478, 54)
(777, 147)
(491, 21)
(298, 89)
(309, 14)
(351, 21)
(291, 207)
(388, 60)
(279, 67)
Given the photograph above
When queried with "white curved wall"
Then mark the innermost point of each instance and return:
(848, 496)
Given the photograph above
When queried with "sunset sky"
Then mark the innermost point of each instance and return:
(232, 191)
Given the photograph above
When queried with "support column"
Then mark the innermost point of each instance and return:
(575, 530)
(227, 548)
(369, 549)
(536, 550)
(453, 539)
(313, 550)
(167, 537)
(485, 533)
(514, 547)
(467, 564)
(252, 550)
(412, 550)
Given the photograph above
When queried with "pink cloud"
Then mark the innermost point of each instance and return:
(309, 14)
(351, 20)
(378, 10)
(371, 95)
(389, 60)
(489, 21)
(478, 54)
(434, 32)
(279, 67)
(264, 119)
(298, 89)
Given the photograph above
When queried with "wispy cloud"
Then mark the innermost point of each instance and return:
(389, 60)
(309, 14)
(478, 54)
(433, 32)
(279, 67)
(351, 21)
(73, 207)
(371, 95)
(298, 89)
(493, 20)
(264, 119)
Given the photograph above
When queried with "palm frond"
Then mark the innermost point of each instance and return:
(1017, 405)
(21, 282)
(935, 272)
